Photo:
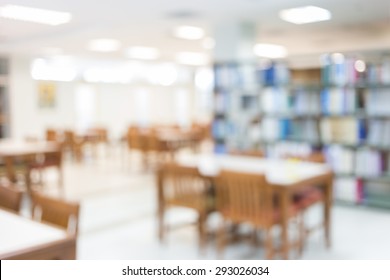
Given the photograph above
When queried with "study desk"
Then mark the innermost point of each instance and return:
(11, 150)
(285, 176)
(22, 238)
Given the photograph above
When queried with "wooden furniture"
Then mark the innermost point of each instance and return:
(21, 156)
(22, 238)
(286, 178)
(73, 144)
(180, 186)
(56, 211)
(10, 198)
(49, 160)
(248, 198)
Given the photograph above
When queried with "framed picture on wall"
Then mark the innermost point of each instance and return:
(46, 95)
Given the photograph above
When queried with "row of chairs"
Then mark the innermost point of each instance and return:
(238, 197)
(73, 143)
(44, 208)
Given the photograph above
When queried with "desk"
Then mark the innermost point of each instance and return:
(26, 151)
(22, 238)
(286, 177)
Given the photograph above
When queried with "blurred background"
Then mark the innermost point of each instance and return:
(282, 79)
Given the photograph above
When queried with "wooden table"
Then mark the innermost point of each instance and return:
(22, 238)
(10, 150)
(286, 177)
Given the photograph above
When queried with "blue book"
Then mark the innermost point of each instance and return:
(325, 101)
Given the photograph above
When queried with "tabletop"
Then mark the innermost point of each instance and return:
(18, 233)
(277, 171)
(10, 147)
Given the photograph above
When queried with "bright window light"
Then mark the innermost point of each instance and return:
(307, 14)
(104, 45)
(163, 74)
(270, 51)
(146, 53)
(188, 32)
(47, 71)
(34, 15)
(192, 58)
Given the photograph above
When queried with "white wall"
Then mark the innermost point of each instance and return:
(27, 119)
(117, 105)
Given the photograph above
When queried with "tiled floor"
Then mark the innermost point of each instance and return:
(118, 219)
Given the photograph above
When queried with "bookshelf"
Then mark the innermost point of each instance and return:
(336, 109)
(4, 103)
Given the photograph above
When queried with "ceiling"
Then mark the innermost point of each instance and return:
(356, 25)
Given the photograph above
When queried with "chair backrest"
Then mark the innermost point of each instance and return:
(53, 158)
(244, 197)
(135, 139)
(56, 211)
(184, 186)
(10, 198)
(51, 135)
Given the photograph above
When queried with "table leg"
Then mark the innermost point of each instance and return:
(327, 209)
(284, 205)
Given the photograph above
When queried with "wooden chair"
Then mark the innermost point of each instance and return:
(56, 211)
(73, 144)
(180, 186)
(310, 196)
(10, 198)
(52, 135)
(49, 160)
(248, 198)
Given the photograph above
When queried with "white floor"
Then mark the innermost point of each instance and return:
(118, 219)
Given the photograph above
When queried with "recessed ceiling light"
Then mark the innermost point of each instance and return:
(146, 53)
(104, 45)
(34, 15)
(188, 32)
(307, 14)
(270, 51)
(192, 58)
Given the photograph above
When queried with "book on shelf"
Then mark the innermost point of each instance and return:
(338, 101)
(289, 149)
(377, 102)
(348, 189)
(377, 193)
(274, 74)
(379, 133)
(348, 130)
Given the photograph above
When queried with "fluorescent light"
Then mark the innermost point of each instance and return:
(188, 32)
(48, 71)
(307, 14)
(270, 51)
(104, 45)
(34, 15)
(146, 53)
(191, 58)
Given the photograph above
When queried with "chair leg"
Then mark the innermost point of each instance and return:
(161, 227)
(221, 239)
(269, 247)
(302, 233)
(202, 232)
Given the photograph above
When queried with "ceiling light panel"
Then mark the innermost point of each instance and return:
(145, 53)
(34, 15)
(189, 32)
(104, 45)
(306, 14)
